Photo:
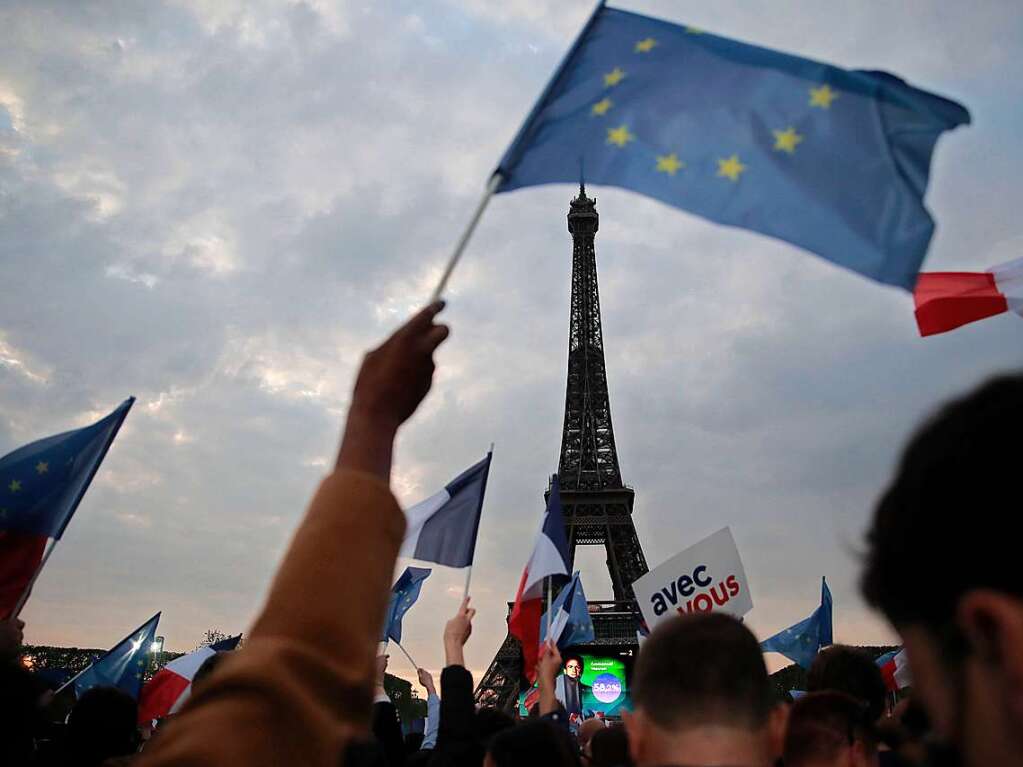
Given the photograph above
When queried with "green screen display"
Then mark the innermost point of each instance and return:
(604, 687)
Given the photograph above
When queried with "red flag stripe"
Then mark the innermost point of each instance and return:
(946, 300)
(20, 555)
(160, 694)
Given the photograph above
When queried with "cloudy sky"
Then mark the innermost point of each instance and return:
(217, 205)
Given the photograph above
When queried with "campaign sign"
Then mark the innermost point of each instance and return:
(707, 577)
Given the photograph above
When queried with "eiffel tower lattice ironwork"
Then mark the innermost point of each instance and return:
(597, 504)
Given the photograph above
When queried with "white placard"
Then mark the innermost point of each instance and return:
(706, 577)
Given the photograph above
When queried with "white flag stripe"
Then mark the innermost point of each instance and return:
(416, 516)
(1009, 281)
(546, 560)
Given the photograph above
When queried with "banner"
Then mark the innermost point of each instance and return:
(706, 577)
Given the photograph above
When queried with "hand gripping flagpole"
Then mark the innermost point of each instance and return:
(495, 181)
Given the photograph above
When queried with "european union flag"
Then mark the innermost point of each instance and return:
(404, 594)
(124, 665)
(801, 643)
(832, 160)
(570, 617)
(41, 484)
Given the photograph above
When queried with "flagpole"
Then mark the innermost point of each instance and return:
(414, 664)
(492, 184)
(549, 590)
(32, 582)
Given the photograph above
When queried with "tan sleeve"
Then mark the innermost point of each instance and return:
(302, 685)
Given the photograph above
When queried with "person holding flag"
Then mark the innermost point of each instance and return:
(305, 680)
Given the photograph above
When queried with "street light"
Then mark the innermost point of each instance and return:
(157, 645)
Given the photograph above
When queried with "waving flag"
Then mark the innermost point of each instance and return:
(404, 594)
(832, 160)
(801, 643)
(124, 665)
(41, 485)
(570, 617)
(946, 300)
(443, 528)
(171, 686)
(549, 557)
(895, 670)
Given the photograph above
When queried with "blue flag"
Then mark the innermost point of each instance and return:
(124, 665)
(404, 594)
(443, 528)
(832, 160)
(41, 484)
(801, 643)
(570, 617)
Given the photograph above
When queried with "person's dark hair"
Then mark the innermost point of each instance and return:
(572, 656)
(704, 668)
(821, 724)
(610, 748)
(209, 666)
(413, 742)
(19, 712)
(101, 725)
(945, 503)
(538, 744)
(849, 670)
(489, 722)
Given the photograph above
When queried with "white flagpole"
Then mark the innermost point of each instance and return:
(414, 664)
(28, 589)
(495, 181)
(549, 590)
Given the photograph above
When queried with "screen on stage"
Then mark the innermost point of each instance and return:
(588, 684)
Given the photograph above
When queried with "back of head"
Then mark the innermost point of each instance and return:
(101, 725)
(702, 669)
(947, 500)
(489, 722)
(588, 729)
(537, 744)
(610, 748)
(849, 670)
(19, 694)
(823, 726)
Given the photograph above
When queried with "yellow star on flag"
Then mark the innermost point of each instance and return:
(614, 77)
(730, 168)
(15, 486)
(822, 97)
(669, 163)
(42, 467)
(786, 140)
(619, 136)
(645, 46)
(601, 107)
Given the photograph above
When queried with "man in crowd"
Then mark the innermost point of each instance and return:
(302, 690)
(830, 729)
(701, 696)
(944, 568)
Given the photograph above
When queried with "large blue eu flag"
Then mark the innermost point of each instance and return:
(832, 160)
(124, 665)
(801, 643)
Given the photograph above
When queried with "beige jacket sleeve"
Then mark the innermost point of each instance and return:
(302, 686)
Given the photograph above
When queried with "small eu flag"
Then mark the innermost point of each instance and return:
(570, 617)
(832, 160)
(801, 643)
(41, 484)
(124, 665)
(404, 594)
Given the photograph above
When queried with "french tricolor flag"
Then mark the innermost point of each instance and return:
(946, 300)
(443, 528)
(895, 670)
(170, 687)
(550, 557)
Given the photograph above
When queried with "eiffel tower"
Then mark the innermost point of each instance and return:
(596, 503)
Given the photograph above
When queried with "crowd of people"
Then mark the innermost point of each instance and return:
(307, 688)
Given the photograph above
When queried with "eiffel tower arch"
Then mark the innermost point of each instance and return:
(597, 504)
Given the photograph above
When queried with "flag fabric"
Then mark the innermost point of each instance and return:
(801, 643)
(443, 528)
(895, 670)
(946, 300)
(41, 485)
(570, 617)
(404, 594)
(124, 665)
(832, 160)
(170, 687)
(549, 557)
